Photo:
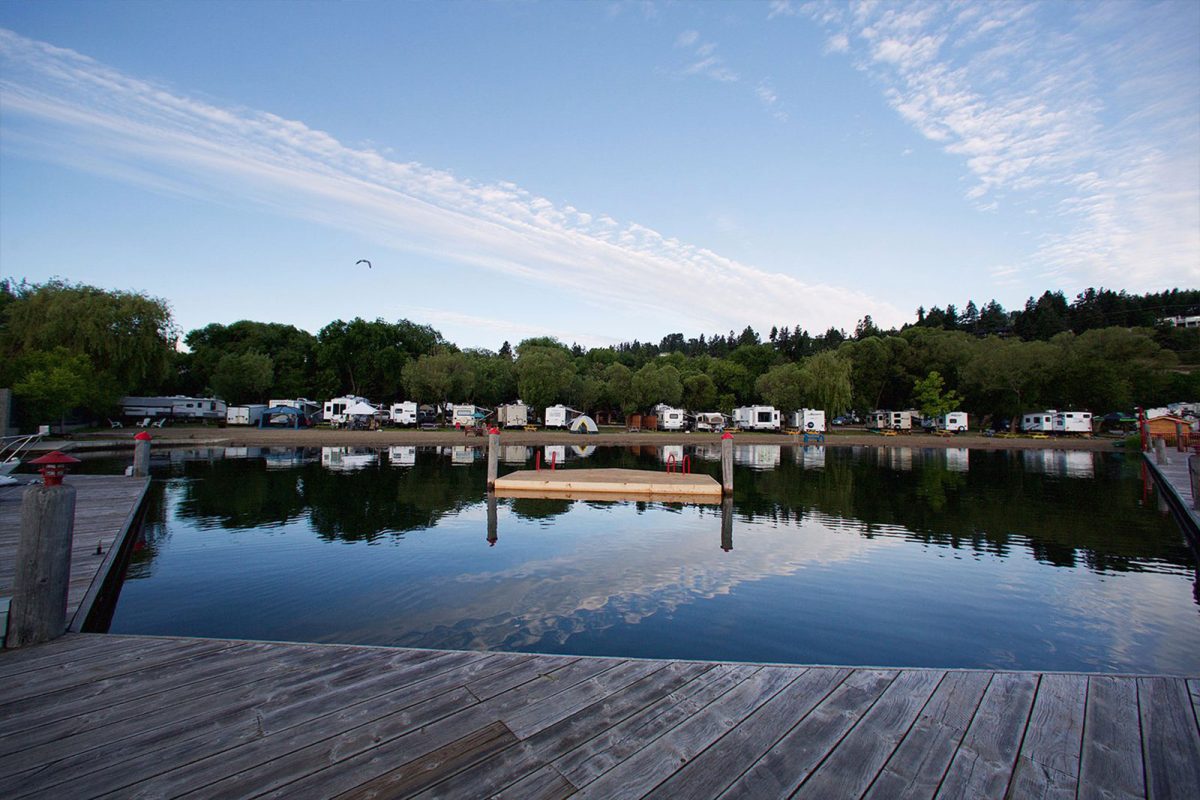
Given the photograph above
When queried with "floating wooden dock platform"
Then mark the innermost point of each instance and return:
(105, 509)
(1175, 484)
(95, 715)
(609, 484)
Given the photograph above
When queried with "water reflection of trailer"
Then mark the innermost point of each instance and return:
(515, 454)
(899, 459)
(671, 451)
(285, 457)
(402, 456)
(958, 459)
(553, 454)
(810, 456)
(461, 455)
(757, 456)
(347, 459)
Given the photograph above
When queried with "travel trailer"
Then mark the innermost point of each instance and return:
(807, 420)
(403, 413)
(709, 421)
(177, 407)
(890, 420)
(244, 415)
(335, 409)
(955, 421)
(512, 415)
(1038, 421)
(669, 419)
(464, 416)
(559, 416)
(309, 408)
(756, 418)
(1073, 422)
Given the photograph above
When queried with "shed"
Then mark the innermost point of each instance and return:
(1164, 427)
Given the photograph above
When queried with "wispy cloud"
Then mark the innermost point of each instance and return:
(1091, 113)
(704, 59)
(153, 135)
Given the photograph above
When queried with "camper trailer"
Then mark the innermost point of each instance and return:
(177, 407)
(669, 419)
(244, 415)
(890, 420)
(710, 421)
(464, 416)
(335, 409)
(309, 408)
(1038, 421)
(512, 415)
(756, 418)
(559, 416)
(807, 420)
(955, 421)
(403, 413)
(1073, 422)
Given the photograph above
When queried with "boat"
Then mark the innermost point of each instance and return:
(12, 448)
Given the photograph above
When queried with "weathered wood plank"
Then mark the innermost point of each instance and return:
(546, 783)
(916, 767)
(1170, 741)
(861, 754)
(657, 760)
(713, 770)
(1048, 764)
(785, 766)
(984, 762)
(583, 764)
(1194, 690)
(1110, 765)
(529, 720)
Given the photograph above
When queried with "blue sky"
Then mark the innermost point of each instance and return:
(598, 171)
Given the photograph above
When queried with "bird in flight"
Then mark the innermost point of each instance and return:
(363, 261)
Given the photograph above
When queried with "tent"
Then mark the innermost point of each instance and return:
(361, 409)
(584, 424)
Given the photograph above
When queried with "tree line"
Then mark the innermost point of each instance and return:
(70, 348)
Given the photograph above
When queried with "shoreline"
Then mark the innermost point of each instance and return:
(197, 436)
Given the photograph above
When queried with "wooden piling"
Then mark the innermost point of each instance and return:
(141, 458)
(727, 465)
(493, 533)
(493, 459)
(43, 568)
(727, 524)
(1160, 451)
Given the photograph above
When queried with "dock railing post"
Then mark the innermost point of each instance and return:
(727, 463)
(38, 612)
(1194, 475)
(141, 455)
(493, 457)
(1160, 451)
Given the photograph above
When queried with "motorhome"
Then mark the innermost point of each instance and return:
(512, 415)
(244, 415)
(464, 416)
(1073, 422)
(1038, 421)
(756, 418)
(890, 420)
(403, 413)
(559, 416)
(335, 409)
(176, 407)
(709, 421)
(669, 419)
(807, 420)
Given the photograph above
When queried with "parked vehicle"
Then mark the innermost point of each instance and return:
(669, 419)
(883, 420)
(244, 415)
(807, 420)
(559, 416)
(403, 413)
(756, 418)
(709, 421)
(512, 415)
(1073, 422)
(336, 409)
(1038, 421)
(176, 407)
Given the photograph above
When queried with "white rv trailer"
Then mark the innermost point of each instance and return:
(954, 421)
(335, 409)
(512, 415)
(244, 415)
(756, 418)
(710, 421)
(807, 420)
(1073, 422)
(464, 415)
(890, 420)
(559, 416)
(1038, 421)
(176, 407)
(669, 419)
(403, 413)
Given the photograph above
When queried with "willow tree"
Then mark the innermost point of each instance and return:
(827, 383)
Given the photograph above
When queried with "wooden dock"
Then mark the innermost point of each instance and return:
(611, 484)
(1173, 481)
(95, 715)
(105, 507)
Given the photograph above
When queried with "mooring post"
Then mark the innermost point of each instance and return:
(141, 455)
(38, 612)
(493, 526)
(727, 464)
(493, 457)
(1160, 451)
(1180, 438)
(727, 524)
(1194, 474)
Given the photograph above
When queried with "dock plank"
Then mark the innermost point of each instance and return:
(1110, 764)
(1170, 741)
(1048, 764)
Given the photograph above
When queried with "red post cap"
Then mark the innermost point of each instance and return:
(144, 436)
(493, 429)
(54, 466)
(726, 435)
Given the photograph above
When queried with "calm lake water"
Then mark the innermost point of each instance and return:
(1047, 560)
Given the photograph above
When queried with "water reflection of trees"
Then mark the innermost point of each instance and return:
(1001, 502)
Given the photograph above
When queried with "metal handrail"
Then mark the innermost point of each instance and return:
(11, 447)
